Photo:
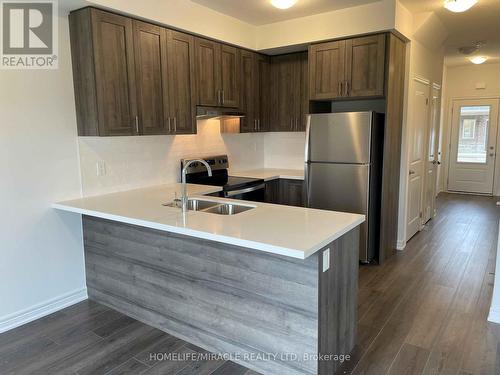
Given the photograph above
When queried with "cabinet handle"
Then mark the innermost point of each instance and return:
(346, 88)
(218, 97)
(340, 88)
(169, 125)
(223, 99)
(175, 124)
(258, 125)
(137, 124)
(291, 123)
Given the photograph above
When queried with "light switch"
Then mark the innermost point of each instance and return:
(326, 260)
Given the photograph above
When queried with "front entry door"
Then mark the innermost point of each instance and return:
(473, 146)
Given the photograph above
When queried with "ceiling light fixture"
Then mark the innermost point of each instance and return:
(478, 59)
(283, 4)
(458, 6)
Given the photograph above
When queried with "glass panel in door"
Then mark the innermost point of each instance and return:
(473, 134)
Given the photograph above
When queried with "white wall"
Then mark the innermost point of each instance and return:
(133, 162)
(41, 265)
(195, 18)
(460, 83)
(425, 59)
(188, 16)
(340, 23)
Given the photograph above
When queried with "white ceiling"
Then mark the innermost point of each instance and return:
(481, 23)
(261, 12)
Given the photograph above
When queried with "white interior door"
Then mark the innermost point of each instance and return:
(473, 146)
(417, 156)
(432, 160)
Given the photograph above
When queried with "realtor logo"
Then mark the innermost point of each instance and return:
(29, 34)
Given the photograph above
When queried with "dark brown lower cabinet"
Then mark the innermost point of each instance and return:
(286, 191)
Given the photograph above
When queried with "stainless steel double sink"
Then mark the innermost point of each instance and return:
(212, 207)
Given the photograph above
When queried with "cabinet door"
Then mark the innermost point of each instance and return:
(112, 37)
(326, 70)
(249, 88)
(230, 76)
(365, 66)
(208, 72)
(272, 194)
(181, 82)
(303, 105)
(262, 92)
(292, 192)
(150, 67)
(285, 89)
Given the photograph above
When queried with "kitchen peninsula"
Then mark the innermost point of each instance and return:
(273, 286)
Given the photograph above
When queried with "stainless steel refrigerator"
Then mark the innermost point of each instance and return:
(344, 169)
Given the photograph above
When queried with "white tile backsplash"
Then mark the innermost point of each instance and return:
(133, 162)
(284, 150)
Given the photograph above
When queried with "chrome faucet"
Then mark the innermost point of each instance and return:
(184, 197)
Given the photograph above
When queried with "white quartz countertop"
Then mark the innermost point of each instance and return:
(268, 174)
(290, 231)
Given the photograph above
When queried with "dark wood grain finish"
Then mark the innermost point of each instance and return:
(230, 76)
(254, 98)
(151, 67)
(82, 60)
(338, 301)
(181, 82)
(114, 73)
(249, 90)
(365, 66)
(326, 70)
(221, 297)
(288, 80)
(396, 56)
(208, 72)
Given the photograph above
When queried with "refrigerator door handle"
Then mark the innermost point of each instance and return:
(306, 185)
(308, 136)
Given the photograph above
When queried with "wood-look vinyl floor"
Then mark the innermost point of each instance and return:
(423, 312)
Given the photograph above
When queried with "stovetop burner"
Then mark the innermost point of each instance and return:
(197, 174)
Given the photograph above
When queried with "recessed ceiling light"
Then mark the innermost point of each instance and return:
(283, 4)
(459, 6)
(478, 59)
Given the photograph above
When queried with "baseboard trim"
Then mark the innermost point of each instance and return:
(494, 316)
(400, 245)
(43, 309)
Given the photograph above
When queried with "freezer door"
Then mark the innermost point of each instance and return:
(339, 137)
(341, 187)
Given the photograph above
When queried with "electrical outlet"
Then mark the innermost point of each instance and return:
(101, 168)
(326, 260)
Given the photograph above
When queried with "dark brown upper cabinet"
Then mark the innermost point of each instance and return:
(151, 66)
(131, 77)
(326, 70)
(104, 73)
(218, 74)
(289, 99)
(181, 82)
(365, 66)
(254, 96)
(347, 68)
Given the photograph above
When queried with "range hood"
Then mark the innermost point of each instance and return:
(204, 113)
